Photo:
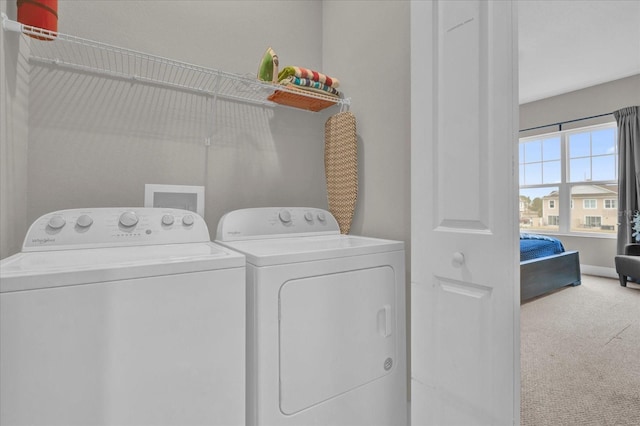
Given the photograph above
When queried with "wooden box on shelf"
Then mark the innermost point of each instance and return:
(301, 101)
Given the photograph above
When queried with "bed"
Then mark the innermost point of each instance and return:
(545, 266)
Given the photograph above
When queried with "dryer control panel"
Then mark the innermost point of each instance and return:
(114, 227)
(275, 222)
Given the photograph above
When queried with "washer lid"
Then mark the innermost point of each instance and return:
(280, 251)
(46, 269)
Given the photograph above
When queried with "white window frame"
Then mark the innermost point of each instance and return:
(588, 207)
(556, 220)
(564, 188)
(585, 221)
(613, 203)
(552, 204)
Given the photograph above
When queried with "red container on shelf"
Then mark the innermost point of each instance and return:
(41, 14)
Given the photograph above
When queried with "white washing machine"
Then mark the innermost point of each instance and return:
(122, 317)
(325, 320)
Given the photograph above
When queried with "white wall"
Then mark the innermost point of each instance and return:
(596, 254)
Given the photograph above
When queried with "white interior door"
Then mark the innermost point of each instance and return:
(465, 291)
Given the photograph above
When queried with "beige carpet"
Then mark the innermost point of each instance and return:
(581, 355)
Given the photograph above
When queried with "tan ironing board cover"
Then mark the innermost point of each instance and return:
(341, 167)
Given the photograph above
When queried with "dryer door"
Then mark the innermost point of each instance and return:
(337, 332)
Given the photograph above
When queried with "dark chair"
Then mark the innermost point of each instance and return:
(628, 264)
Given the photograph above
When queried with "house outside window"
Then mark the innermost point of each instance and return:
(569, 180)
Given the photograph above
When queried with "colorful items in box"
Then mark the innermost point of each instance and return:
(306, 79)
(308, 74)
(305, 83)
(296, 77)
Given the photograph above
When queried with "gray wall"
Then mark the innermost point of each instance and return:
(95, 142)
(367, 43)
(14, 94)
(596, 253)
(595, 100)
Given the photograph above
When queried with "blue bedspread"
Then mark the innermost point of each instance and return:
(533, 246)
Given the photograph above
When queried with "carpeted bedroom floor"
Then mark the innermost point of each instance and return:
(580, 355)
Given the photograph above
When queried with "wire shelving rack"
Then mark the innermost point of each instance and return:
(88, 56)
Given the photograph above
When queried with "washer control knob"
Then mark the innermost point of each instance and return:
(188, 220)
(285, 216)
(128, 219)
(84, 221)
(308, 216)
(167, 219)
(321, 217)
(56, 222)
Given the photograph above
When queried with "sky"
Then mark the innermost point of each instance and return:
(591, 156)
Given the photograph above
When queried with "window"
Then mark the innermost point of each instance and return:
(568, 181)
(540, 161)
(592, 221)
(592, 155)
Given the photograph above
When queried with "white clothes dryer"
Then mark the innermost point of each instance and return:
(325, 320)
(115, 316)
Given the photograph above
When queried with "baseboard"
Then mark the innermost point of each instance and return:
(599, 271)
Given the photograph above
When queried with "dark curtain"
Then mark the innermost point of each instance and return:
(628, 171)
